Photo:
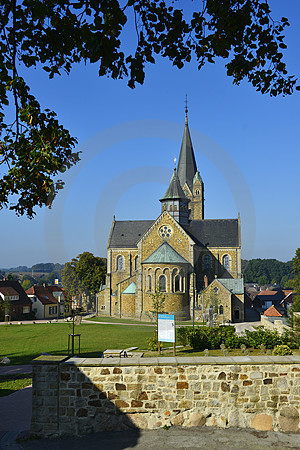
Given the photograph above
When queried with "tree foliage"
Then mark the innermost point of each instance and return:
(54, 35)
(296, 301)
(84, 274)
(267, 271)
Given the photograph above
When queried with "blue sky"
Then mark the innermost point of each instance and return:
(246, 144)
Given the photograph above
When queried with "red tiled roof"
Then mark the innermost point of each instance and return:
(272, 312)
(43, 293)
(8, 290)
(288, 291)
(268, 293)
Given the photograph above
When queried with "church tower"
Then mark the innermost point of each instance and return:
(189, 177)
(175, 202)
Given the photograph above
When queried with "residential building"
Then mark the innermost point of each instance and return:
(48, 302)
(16, 303)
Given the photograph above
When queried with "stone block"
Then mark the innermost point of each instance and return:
(137, 420)
(289, 419)
(262, 422)
(236, 419)
(196, 419)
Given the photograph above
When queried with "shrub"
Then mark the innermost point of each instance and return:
(282, 350)
(261, 336)
(201, 338)
(182, 335)
(152, 343)
(291, 339)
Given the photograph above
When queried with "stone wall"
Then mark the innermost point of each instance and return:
(79, 396)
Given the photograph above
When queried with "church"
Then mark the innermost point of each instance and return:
(195, 262)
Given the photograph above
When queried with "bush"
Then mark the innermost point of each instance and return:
(255, 339)
(182, 335)
(152, 343)
(201, 338)
(282, 350)
(291, 339)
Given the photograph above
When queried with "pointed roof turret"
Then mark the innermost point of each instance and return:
(197, 177)
(187, 166)
(174, 190)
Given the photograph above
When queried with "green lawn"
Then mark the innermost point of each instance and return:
(133, 321)
(12, 383)
(22, 343)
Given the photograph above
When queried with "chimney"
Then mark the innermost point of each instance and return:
(205, 281)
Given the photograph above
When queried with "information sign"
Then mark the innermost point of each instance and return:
(166, 328)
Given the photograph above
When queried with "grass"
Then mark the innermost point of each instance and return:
(22, 343)
(133, 321)
(12, 383)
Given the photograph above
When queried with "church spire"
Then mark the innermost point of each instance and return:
(187, 166)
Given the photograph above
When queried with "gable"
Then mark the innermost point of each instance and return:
(178, 239)
(165, 254)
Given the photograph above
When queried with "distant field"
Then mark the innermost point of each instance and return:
(22, 343)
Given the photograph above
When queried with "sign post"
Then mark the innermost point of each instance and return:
(166, 330)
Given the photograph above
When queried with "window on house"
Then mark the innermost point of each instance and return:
(136, 263)
(206, 262)
(120, 262)
(177, 283)
(162, 283)
(171, 207)
(175, 207)
(26, 309)
(221, 310)
(197, 192)
(226, 262)
(53, 310)
(149, 283)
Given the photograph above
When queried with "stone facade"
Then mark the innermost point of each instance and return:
(80, 396)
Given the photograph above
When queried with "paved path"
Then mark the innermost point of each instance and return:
(177, 438)
(12, 370)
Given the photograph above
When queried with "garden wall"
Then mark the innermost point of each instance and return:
(80, 396)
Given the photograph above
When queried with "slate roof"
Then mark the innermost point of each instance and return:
(234, 285)
(165, 254)
(131, 289)
(23, 298)
(126, 233)
(187, 166)
(174, 190)
(211, 232)
(214, 232)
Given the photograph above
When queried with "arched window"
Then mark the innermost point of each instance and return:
(136, 263)
(175, 207)
(171, 207)
(226, 262)
(149, 283)
(120, 262)
(197, 192)
(221, 310)
(206, 262)
(177, 283)
(162, 283)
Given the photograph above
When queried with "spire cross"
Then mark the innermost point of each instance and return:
(186, 109)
